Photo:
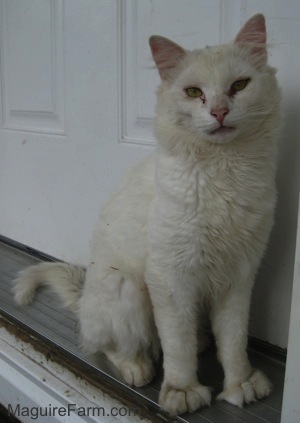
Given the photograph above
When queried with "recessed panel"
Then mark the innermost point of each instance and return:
(32, 65)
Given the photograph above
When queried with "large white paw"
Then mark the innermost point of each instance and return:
(180, 401)
(136, 372)
(256, 387)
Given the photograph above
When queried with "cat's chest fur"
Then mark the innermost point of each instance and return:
(211, 208)
(208, 191)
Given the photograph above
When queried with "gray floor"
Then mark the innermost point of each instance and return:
(58, 325)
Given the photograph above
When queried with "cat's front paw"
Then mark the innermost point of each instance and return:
(256, 387)
(176, 400)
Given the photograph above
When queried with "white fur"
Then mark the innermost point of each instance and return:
(185, 235)
(67, 280)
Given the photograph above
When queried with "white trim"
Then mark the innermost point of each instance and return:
(29, 379)
(291, 403)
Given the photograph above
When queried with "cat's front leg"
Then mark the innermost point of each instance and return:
(176, 319)
(229, 316)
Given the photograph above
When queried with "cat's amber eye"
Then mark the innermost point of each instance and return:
(194, 92)
(239, 85)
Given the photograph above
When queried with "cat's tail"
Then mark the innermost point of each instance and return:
(65, 279)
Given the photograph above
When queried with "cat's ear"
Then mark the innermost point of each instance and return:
(166, 54)
(253, 37)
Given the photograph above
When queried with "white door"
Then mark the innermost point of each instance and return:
(77, 100)
(61, 144)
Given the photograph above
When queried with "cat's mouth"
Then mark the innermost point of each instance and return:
(222, 130)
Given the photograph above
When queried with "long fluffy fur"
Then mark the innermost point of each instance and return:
(186, 232)
(66, 280)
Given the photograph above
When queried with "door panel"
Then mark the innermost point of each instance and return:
(60, 150)
(32, 73)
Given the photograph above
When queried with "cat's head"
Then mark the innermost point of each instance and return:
(216, 94)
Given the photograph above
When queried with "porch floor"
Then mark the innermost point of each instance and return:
(46, 318)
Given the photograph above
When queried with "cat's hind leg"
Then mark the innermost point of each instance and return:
(116, 318)
(137, 370)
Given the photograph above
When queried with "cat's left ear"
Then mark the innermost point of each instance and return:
(166, 55)
(253, 36)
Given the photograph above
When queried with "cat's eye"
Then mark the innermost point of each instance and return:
(194, 92)
(239, 85)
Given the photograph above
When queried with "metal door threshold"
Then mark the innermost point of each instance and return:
(47, 320)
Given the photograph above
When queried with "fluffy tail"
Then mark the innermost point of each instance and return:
(65, 279)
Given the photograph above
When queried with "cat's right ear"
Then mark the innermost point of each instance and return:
(166, 55)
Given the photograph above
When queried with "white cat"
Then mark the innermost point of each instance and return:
(186, 233)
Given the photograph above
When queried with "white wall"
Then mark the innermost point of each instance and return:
(64, 149)
(272, 295)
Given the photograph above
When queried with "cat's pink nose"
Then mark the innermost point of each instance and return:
(219, 114)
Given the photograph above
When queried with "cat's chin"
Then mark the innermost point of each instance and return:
(222, 130)
(222, 135)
